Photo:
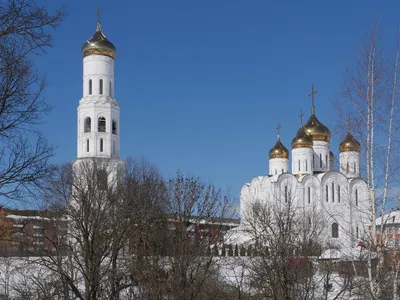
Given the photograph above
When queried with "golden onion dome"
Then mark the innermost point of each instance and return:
(98, 45)
(278, 151)
(302, 140)
(349, 144)
(316, 130)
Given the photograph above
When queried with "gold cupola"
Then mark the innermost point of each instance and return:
(302, 140)
(278, 151)
(349, 144)
(98, 44)
(316, 130)
(313, 127)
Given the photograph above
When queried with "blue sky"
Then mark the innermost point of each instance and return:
(202, 85)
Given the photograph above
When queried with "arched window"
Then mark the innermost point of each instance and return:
(347, 167)
(114, 127)
(286, 194)
(101, 124)
(326, 160)
(327, 193)
(306, 165)
(101, 145)
(335, 230)
(355, 168)
(356, 197)
(110, 89)
(338, 193)
(90, 86)
(333, 191)
(87, 146)
(320, 160)
(88, 124)
(113, 148)
(299, 165)
(309, 194)
(101, 86)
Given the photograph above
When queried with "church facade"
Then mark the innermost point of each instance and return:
(313, 189)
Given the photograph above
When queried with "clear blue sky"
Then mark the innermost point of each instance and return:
(202, 85)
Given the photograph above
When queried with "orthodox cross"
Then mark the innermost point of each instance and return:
(348, 123)
(313, 92)
(278, 129)
(98, 14)
(301, 117)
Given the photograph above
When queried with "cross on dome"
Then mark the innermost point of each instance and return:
(313, 92)
(278, 129)
(301, 117)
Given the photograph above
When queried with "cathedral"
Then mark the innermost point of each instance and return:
(339, 197)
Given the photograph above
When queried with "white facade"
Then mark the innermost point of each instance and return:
(302, 161)
(337, 199)
(278, 166)
(321, 156)
(350, 163)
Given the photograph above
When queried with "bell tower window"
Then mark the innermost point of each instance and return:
(90, 86)
(101, 86)
(101, 124)
(88, 124)
(335, 230)
(114, 127)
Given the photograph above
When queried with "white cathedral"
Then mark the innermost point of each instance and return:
(312, 185)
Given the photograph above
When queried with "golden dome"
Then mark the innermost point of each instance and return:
(278, 151)
(316, 130)
(302, 140)
(349, 144)
(331, 156)
(98, 45)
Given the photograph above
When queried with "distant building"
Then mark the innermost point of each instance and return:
(29, 232)
(391, 226)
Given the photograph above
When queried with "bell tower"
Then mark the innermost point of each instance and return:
(98, 111)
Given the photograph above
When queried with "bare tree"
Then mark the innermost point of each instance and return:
(92, 233)
(25, 31)
(371, 97)
(179, 265)
(285, 237)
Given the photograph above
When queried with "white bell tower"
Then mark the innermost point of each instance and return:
(98, 110)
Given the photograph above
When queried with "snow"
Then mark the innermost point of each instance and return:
(390, 218)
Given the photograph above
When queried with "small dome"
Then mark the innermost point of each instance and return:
(331, 156)
(98, 45)
(349, 144)
(301, 140)
(316, 130)
(278, 151)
